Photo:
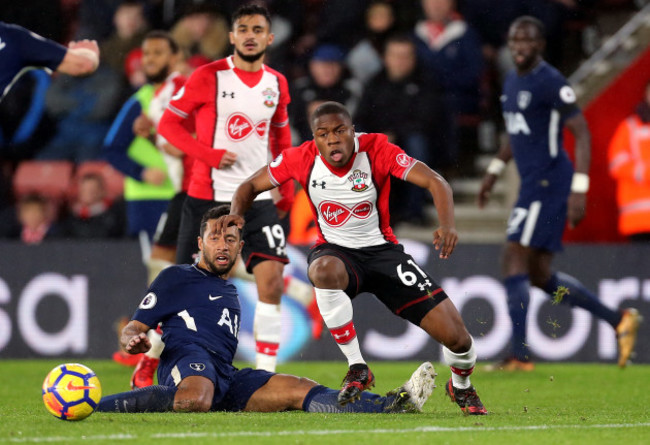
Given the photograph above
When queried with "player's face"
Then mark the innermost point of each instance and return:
(157, 59)
(334, 137)
(219, 250)
(526, 46)
(251, 35)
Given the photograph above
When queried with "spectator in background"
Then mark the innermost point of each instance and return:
(130, 27)
(403, 102)
(36, 219)
(202, 33)
(629, 165)
(365, 58)
(451, 49)
(95, 18)
(327, 80)
(93, 214)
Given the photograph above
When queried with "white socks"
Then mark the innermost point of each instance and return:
(298, 290)
(462, 366)
(336, 309)
(267, 330)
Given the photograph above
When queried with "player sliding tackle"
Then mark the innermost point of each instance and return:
(347, 177)
(201, 314)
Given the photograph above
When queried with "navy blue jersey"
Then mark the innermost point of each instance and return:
(197, 309)
(535, 107)
(21, 50)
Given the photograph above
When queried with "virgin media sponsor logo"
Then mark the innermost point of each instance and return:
(239, 127)
(336, 214)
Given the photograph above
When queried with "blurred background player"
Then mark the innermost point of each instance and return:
(348, 178)
(148, 187)
(23, 50)
(629, 165)
(240, 108)
(537, 103)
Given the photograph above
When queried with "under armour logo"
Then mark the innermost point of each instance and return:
(224, 94)
(315, 184)
(424, 285)
(343, 335)
(280, 250)
(2, 44)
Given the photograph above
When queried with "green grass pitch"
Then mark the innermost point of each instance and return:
(556, 404)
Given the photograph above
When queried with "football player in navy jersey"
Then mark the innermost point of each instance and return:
(537, 103)
(22, 50)
(201, 315)
(347, 177)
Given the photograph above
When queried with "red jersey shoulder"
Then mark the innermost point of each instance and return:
(379, 148)
(372, 141)
(301, 154)
(208, 70)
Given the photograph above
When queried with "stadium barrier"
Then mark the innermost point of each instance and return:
(63, 298)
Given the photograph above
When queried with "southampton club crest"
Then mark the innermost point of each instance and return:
(358, 180)
(269, 97)
(523, 99)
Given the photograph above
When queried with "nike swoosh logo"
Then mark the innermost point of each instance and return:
(73, 387)
(215, 298)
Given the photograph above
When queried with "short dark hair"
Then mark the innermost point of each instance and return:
(251, 9)
(214, 213)
(530, 20)
(330, 107)
(164, 35)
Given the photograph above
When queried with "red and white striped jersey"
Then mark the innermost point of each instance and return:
(350, 203)
(234, 110)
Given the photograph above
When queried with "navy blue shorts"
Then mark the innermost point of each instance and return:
(232, 387)
(538, 218)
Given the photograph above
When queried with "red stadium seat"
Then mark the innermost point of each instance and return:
(113, 180)
(47, 178)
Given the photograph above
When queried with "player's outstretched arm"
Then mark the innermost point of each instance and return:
(577, 203)
(81, 59)
(445, 237)
(134, 337)
(258, 182)
(494, 170)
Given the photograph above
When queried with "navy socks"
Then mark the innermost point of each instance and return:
(150, 399)
(321, 399)
(579, 295)
(518, 290)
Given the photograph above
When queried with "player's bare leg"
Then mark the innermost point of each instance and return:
(445, 325)
(267, 326)
(282, 392)
(329, 276)
(194, 394)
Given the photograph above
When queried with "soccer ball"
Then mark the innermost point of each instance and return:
(71, 391)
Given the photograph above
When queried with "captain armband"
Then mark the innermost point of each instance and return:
(496, 167)
(580, 183)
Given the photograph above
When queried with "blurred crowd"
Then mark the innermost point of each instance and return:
(425, 72)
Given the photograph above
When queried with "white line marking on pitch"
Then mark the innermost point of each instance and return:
(422, 429)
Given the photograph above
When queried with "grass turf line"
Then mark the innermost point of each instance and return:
(557, 403)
